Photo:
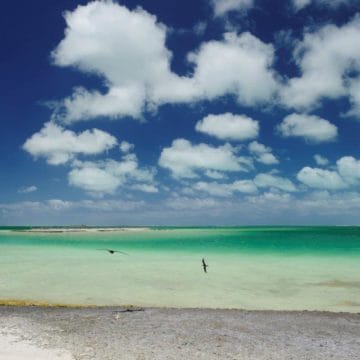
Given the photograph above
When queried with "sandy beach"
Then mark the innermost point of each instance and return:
(154, 333)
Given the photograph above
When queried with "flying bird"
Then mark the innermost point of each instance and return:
(204, 265)
(110, 251)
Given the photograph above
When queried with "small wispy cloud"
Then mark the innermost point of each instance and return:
(27, 189)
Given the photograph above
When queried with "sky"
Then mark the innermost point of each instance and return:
(165, 112)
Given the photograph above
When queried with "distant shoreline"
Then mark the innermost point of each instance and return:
(56, 230)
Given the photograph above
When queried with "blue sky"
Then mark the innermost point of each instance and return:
(227, 112)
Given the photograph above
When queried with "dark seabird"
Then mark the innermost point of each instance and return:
(204, 265)
(114, 251)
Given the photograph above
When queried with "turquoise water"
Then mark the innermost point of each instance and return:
(277, 268)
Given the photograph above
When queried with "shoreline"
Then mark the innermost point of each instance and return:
(162, 333)
(60, 230)
(13, 303)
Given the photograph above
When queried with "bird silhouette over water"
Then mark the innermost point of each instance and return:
(110, 251)
(204, 265)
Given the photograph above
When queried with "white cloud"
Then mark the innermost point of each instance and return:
(235, 65)
(321, 160)
(321, 179)
(217, 175)
(59, 146)
(126, 147)
(105, 177)
(262, 153)
(225, 190)
(326, 59)
(349, 169)
(276, 182)
(184, 160)
(27, 189)
(310, 127)
(221, 7)
(229, 127)
(118, 102)
(346, 175)
(95, 180)
(127, 49)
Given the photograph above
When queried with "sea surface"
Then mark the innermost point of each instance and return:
(273, 268)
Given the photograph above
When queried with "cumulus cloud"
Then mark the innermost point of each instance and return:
(349, 169)
(273, 181)
(229, 127)
(321, 160)
(345, 175)
(58, 145)
(225, 190)
(105, 177)
(184, 160)
(221, 7)
(326, 58)
(127, 49)
(27, 189)
(321, 179)
(262, 153)
(235, 65)
(310, 127)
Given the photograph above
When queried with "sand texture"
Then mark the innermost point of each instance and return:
(151, 333)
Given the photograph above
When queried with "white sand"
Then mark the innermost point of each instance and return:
(17, 347)
(171, 334)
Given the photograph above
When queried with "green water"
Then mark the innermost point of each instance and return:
(278, 268)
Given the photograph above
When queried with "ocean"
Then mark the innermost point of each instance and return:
(252, 268)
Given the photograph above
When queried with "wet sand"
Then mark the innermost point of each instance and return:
(152, 333)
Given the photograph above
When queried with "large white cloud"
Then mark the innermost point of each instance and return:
(105, 177)
(309, 127)
(229, 126)
(272, 181)
(262, 153)
(345, 175)
(221, 7)
(59, 145)
(326, 59)
(184, 160)
(349, 169)
(321, 179)
(127, 48)
(235, 65)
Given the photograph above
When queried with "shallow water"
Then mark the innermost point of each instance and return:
(249, 268)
